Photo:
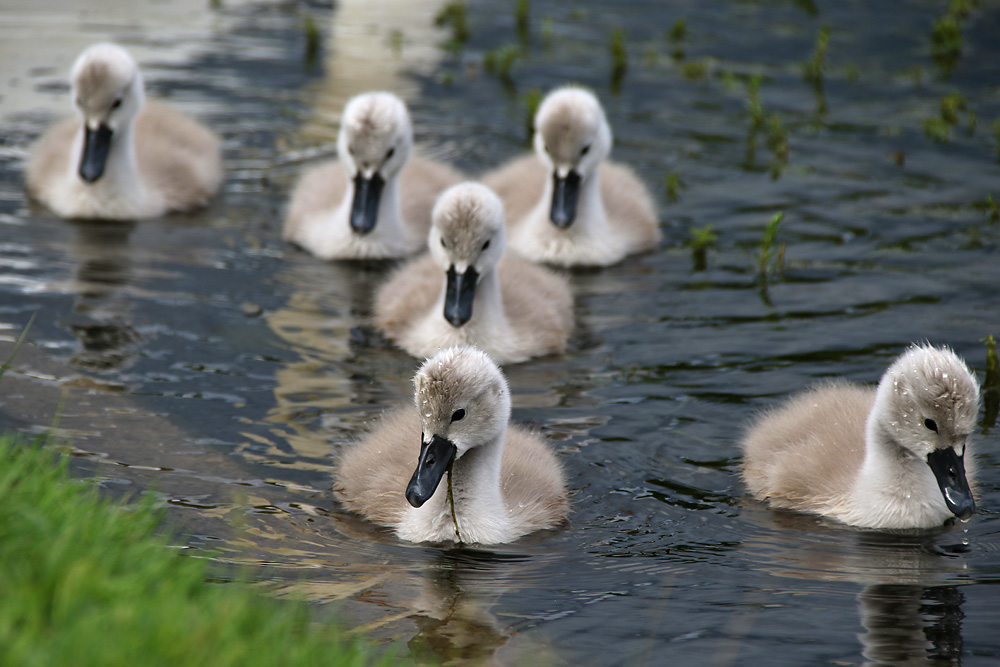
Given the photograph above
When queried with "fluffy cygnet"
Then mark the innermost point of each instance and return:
(566, 204)
(452, 469)
(468, 291)
(129, 158)
(890, 457)
(375, 200)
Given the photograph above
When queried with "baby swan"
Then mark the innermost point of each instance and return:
(566, 204)
(375, 201)
(127, 159)
(503, 481)
(890, 457)
(467, 291)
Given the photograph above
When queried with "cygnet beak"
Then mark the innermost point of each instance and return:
(564, 197)
(96, 146)
(459, 295)
(364, 207)
(435, 459)
(949, 470)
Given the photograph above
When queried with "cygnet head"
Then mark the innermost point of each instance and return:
(463, 402)
(466, 240)
(375, 141)
(107, 91)
(572, 138)
(926, 403)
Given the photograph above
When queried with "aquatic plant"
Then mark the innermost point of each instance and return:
(311, 31)
(946, 34)
(678, 31)
(995, 131)
(548, 32)
(991, 384)
(454, 14)
(696, 70)
(770, 253)
(522, 19)
(673, 185)
(396, 41)
(754, 105)
(812, 71)
(619, 58)
(939, 127)
(992, 209)
(500, 61)
(777, 143)
(531, 99)
(700, 240)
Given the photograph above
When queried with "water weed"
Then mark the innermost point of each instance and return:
(812, 71)
(619, 59)
(522, 19)
(312, 36)
(454, 15)
(770, 253)
(672, 183)
(700, 240)
(500, 61)
(991, 384)
(531, 99)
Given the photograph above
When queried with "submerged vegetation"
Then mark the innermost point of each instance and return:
(90, 582)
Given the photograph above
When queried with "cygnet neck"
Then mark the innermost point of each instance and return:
(475, 481)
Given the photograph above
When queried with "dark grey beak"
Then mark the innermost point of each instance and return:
(96, 146)
(435, 458)
(564, 196)
(364, 207)
(949, 470)
(459, 294)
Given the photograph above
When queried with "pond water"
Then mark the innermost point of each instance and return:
(199, 358)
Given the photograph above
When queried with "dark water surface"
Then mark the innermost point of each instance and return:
(199, 358)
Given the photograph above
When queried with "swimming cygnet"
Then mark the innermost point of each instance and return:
(375, 200)
(467, 291)
(503, 482)
(890, 457)
(566, 204)
(129, 157)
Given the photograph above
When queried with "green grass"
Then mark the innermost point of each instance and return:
(88, 581)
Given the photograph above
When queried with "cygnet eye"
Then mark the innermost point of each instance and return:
(444, 244)
(931, 425)
(458, 415)
(585, 150)
(486, 245)
(390, 153)
(117, 103)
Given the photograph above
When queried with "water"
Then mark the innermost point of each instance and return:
(198, 358)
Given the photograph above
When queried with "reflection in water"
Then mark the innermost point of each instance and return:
(452, 611)
(101, 314)
(909, 606)
(911, 625)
